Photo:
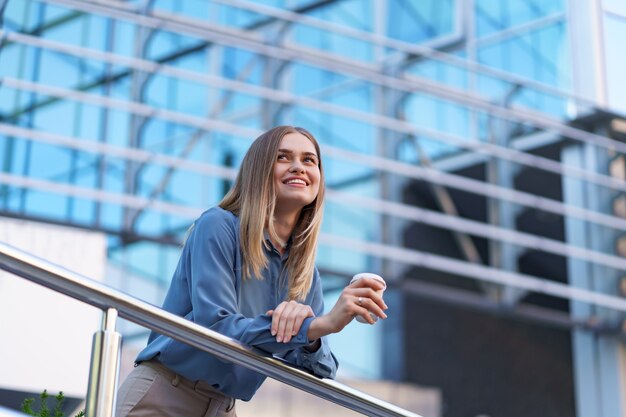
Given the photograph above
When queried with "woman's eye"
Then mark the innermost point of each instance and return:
(281, 157)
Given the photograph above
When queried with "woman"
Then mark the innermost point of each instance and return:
(247, 271)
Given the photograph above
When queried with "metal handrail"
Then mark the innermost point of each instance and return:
(114, 302)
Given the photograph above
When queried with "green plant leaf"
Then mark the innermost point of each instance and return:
(58, 410)
(44, 411)
(27, 406)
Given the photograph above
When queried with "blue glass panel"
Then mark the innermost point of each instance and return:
(327, 42)
(358, 96)
(60, 71)
(496, 15)
(420, 21)
(337, 131)
(308, 80)
(46, 204)
(186, 188)
(493, 89)
(426, 112)
(232, 16)
(352, 13)
(615, 5)
(10, 58)
(615, 33)
(26, 15)
(83, 210)
(118, 128)
(49, 162)
(115, 180)
(54, 12)
(166, 45)
(450, 75)
(190, 98)
(72, 32)
(17, 163)
(196, 9)
(540, 55)
(15, 15)
(56, 118)
(88, 122)
(8, 98)
(124, 34)
(98, 31)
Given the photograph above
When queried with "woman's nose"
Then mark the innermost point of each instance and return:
(296, 166)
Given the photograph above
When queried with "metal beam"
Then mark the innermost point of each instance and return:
(421, 50)
(367, 72)
(383, 121)
(375, 162)
(407, 212)
(170, 57)
(191, 143)
(397, 254)
(521, 312)
(599, 361)
(381, 206)
(404, 211)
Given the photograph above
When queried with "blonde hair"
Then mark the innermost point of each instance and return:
(253, 199)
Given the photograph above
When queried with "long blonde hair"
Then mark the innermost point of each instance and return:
(253, 199)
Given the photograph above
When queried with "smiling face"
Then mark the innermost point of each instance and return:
(296, 172)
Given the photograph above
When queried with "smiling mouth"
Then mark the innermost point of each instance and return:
(295, 181)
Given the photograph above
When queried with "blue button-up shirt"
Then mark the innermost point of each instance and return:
(207, 288)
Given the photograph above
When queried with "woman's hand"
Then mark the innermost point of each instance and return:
(287, 318)
(357, 299)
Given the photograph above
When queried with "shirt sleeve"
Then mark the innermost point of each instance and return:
(322, 362)
(211, 250)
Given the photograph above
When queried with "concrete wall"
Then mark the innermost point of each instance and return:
(46, 336)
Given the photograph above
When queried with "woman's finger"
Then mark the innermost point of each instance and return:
(276, 317)
(303, 313)
(282, 322)
(367, 293)
(372, 307)
(375, 284)
(359, 310)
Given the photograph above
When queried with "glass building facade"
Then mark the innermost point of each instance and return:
(473, 151)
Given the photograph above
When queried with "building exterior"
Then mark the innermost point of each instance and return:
(474, 152)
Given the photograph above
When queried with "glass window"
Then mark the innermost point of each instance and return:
(495, 15)
(615, 32)
(420, 21)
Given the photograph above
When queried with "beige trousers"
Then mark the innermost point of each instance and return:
(152, 390)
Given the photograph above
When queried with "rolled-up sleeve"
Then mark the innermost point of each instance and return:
(322, 362)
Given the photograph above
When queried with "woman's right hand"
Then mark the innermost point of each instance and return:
(357, 299)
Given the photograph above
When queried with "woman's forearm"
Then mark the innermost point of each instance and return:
(320, 326)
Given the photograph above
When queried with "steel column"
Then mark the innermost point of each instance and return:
(104, 370)
(599, 360)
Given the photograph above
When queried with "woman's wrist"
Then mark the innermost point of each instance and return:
(320, 326)
(313, 347)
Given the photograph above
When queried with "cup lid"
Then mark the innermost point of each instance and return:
(368, 275)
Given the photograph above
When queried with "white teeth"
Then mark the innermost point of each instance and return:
(295, 181)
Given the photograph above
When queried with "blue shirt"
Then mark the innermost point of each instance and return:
(208, 288)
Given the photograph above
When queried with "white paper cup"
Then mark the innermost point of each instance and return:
(373, 276)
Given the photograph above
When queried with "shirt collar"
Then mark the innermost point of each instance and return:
(287, 247)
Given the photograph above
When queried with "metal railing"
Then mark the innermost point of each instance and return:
(101, 392)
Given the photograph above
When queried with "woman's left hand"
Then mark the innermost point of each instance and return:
(287, 318)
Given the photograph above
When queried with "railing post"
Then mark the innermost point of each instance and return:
(104, 369)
